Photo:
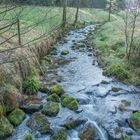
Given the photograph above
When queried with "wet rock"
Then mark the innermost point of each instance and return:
(31, 108)
(28, 136)
(104, 82)
(59, 135)
(73, 123)
(16, 117)
(116, 89)
(134, 121)
(69, 102)
(88, 133)
(54, 98)
(83, 101)
(44, 89)
(57, 89)
(125, 102)
(122, 107)
(39, 122)
(65, 52)
(6, 129)
(51, 109)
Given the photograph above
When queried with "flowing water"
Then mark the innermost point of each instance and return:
(97, 102)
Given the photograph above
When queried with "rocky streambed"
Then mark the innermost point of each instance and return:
(77, 101)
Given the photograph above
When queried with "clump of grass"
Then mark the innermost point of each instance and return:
(118, 72)
(31, 85)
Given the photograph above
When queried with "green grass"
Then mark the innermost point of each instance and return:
(110, 40)
(39, 20)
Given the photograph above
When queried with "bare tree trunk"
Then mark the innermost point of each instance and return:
(77, 12)
(64, 20)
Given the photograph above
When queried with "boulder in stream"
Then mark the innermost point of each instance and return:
(39, 122)
(58, 89)
(51, 109)
(6, 129)
(59, 135)
(53, 97)
(69, 102)
(16, 117)
(65, 52)
(134, 121)
(28, 136)
(73, 123)
(88, 133)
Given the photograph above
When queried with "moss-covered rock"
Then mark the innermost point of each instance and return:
(60, 135)
(69, 102)
(6, 129)
(16, 117)
(45, 89)
(73, 123)
(65, 52)
(104, 82)
(39, 122)
(28, 136)
(116, 89)
(54, 98)
(87, 134)
(51, 109)
(58, 89)
(134, 121)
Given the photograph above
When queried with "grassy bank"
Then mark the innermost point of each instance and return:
(110, 41)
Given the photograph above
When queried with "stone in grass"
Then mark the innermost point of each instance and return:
(116, 89)
(134, 121)
(58, 89)
(69, 102)
(73, 123)
(28, 136)
(53, 97)
(51, 109)
(6, 129)
(39, 122)
(16, 117)
(65, 52)
(59, 135)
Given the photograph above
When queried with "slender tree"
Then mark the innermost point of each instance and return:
(64, 19)
(77, 12)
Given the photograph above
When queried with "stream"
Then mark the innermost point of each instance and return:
(82, 79)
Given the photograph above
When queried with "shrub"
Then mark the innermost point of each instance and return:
(31, 85)
(118, 72)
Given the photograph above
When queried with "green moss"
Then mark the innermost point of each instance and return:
(45, 61)
(16, 117)
(60, 135)
(6, 129)
(65, 52)
(116, 89)
(28, 136)
(117, 71)
(39, 122)
(54, 97)
(51, 109)
(135, 121)
(58, 89)
(87, 134)
(104, 82)
(31, 85)
(69, 102)
(71, 124)
(126, 138)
